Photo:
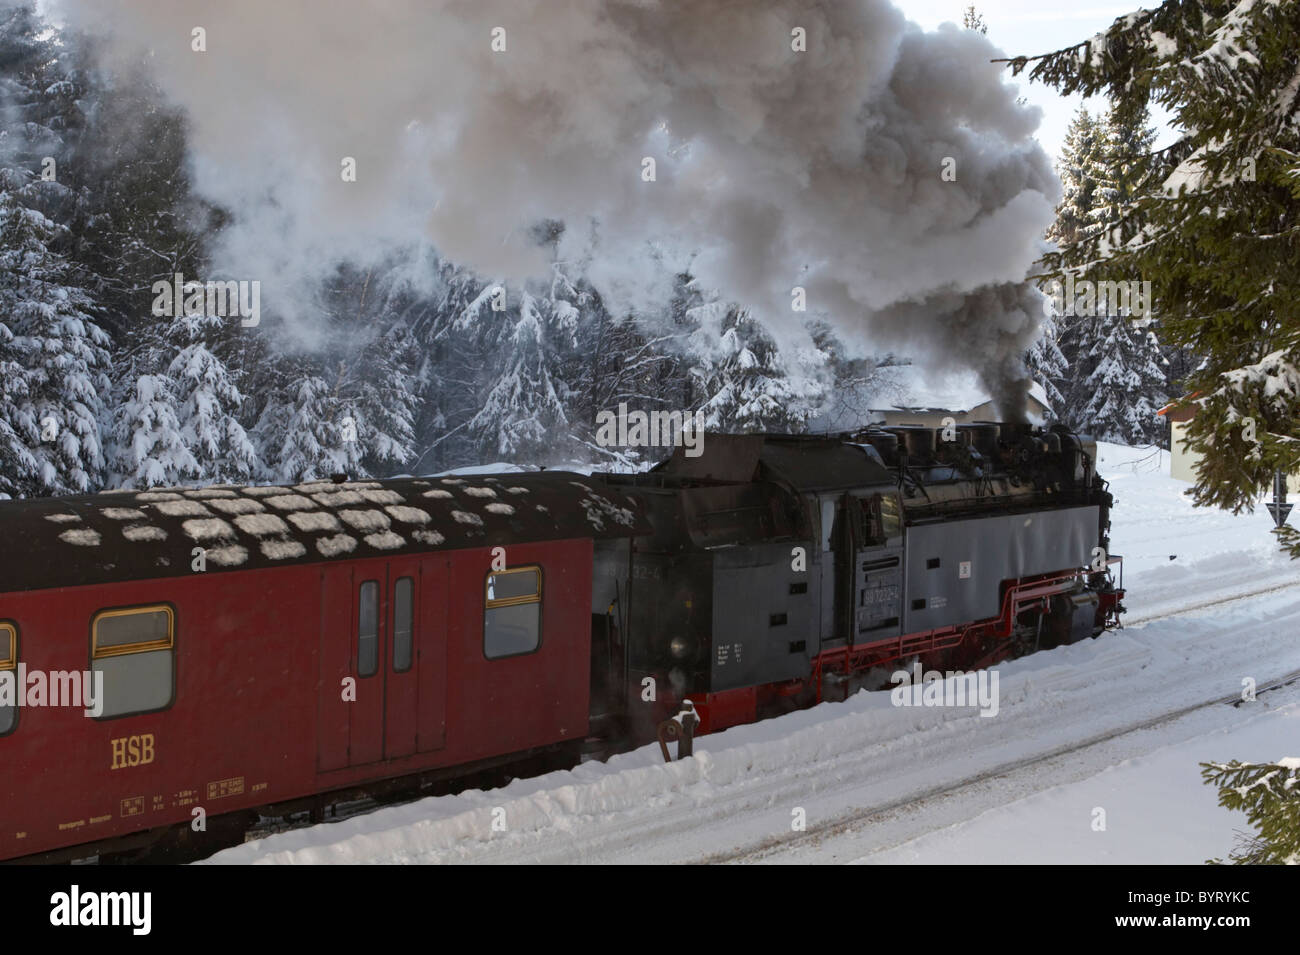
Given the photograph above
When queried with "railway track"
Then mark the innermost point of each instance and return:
(1206, 604)
(852, 820)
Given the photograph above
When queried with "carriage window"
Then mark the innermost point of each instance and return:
(512, 616)
(8, 646)
(134, 650)
(8, 674)
(368, 629)
(403, 611)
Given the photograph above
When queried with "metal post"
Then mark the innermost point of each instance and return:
(681, 728)
(1278, 507)
(685, 745)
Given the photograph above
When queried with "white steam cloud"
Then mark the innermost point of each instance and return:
(774, 168)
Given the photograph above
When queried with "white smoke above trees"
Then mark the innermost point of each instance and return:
(774, 168)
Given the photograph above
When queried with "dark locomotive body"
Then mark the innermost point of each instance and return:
(513, 621)
(783, 569)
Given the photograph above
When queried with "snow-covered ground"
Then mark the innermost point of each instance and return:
(1118, 725)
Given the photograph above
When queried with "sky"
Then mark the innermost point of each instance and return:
(1028, 27)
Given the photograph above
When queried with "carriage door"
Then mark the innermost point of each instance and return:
(383, 661)
(401, 676)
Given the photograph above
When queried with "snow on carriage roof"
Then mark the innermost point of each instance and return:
(69, 541)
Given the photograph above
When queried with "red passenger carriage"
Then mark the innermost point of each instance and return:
(262, 645)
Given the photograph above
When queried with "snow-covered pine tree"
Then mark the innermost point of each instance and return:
(807, 383)
(136, 220)
(386, 404)
(379, 353)
(1078, 169)
(748, 385)
(1217, 237)
(1125, 387)
(343, 405)
(177, 414)
(1047, 364)
(1113, 378)
(209, 402)
(55, 355)
(455, 353)
(1074, 336)
(693, 325)
(146, 446)
(40, 104)
(52, 350)
(493, 382)
(306, 431)
(124, 219)
(1269, 794)
(1119, 175)
(604, 361)
(522, 414)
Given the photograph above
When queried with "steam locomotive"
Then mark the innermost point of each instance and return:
(418, 634)
(782, 571)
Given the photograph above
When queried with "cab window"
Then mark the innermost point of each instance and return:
(872, 534)
(881, 520)
(891, 516)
